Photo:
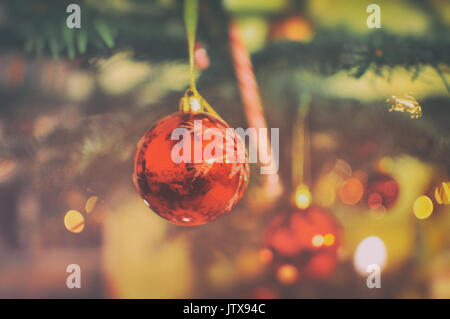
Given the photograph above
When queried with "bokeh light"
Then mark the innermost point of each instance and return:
(423, 207)
(292, 29)
(287, 274)
(302, 197)
(370, 250)
(74, 221)
(328, 239)
(317, 240)
(90, 203)
(351, 191)
(266, 255)
(385, 164)
(442, 193)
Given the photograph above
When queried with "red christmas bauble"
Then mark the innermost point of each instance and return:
(382, 191)
(190, 168)
(305, 239)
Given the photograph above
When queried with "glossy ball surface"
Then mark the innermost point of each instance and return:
(198, 189)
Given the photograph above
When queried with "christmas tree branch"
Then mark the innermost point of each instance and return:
(39, 29)
(332, 52)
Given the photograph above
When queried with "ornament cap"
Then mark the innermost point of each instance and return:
(191, 102)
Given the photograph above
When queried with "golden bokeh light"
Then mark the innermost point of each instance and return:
(442, 193)
(90, 203)
(74, 221)
(302, 197)
(294, 28)
(319, 240)
(287, 274)
(423, 207)
(328, 239)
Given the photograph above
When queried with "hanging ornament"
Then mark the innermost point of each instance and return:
(304, 243)
(301, 241)
(407, 104)
(191, 167)
(201, 186)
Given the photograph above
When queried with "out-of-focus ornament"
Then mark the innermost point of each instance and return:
(382, 191)
(292, 29)
(442, 193)
(183, 180)
(306, 240)
(407, 104)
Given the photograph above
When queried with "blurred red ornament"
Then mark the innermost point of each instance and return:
(292, 29)
(201, 57)
(305, 239)
(196, 190)
(382, 191)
